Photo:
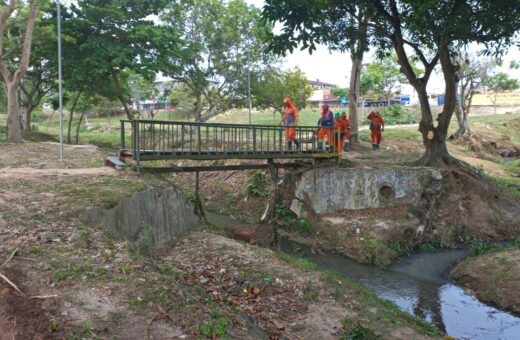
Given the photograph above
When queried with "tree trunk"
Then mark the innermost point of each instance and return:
(78, 127)
(119, 95)
(12, 81)
(28, 117)
(14, 133)
(436, 153)
(354, 94)
(71, 113)
(198, 107)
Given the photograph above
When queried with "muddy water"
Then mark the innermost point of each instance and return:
(419, 285)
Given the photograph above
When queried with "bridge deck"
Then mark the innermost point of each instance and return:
(157, 140)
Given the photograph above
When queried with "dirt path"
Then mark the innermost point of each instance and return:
(27, 173)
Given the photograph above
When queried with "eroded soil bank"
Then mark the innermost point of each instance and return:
(376, 215)
(494, 278)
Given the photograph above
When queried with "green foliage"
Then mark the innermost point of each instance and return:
(395, 114)
(482, 247)
(256, 185)
(149, 241)
(359, 333)
(501, 81)
(304, 226)
(379, 77)
(221, 40)
(340, 92)
(310, 291)
(272, 85)
(282, 213)
(217, 327)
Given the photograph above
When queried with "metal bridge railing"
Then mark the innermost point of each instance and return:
(155, 139)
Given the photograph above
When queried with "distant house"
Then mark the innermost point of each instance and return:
(322, 94)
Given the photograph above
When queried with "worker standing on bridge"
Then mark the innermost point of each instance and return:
(326, 123)
(290, 119)
(377, 125)
(345, 124)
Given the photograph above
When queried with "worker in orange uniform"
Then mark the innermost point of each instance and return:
(377, 125)
(341, 131)
(290, 119)
(346, 131)
(326, 123)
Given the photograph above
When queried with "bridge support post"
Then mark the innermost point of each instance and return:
(199, 211)
(273, 196)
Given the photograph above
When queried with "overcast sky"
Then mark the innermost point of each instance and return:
(334, 67)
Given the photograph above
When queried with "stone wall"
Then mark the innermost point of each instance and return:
(146, 217)
(332, 190)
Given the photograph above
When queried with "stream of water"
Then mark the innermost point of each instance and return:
(419, 285)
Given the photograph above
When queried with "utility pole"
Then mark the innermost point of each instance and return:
(249, 91)
(60, 90)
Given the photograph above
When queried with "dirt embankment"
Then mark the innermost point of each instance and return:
(470, 207)
(493, 277)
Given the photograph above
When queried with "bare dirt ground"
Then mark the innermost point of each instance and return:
(493, 277)
(201, 285)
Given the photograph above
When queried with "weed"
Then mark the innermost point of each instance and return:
(34, 250)
(428, 248)
(310, 292)
(359, 333)
(255, 185)
(217, 327)
(515, 243)
(84, 238)
(149, 241)
(304, 226)
(115, 316)
(166, 269)
(483, 247)
(282, 213)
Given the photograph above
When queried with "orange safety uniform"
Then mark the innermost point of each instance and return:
(326, 122)
(377, 125)
(341, 131)
(290, 119)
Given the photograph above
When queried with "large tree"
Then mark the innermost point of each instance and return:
(272, 86)
(473, 71)
(341, 25)
(42, 74)
(221, 41)
(439, 27)
(427, 31)
(112, 37)
(12, 74)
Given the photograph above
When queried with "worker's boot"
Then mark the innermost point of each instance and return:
(377, 146)
(320, 146)
(346, 145)
(297, 144)
(374, 146)
(289, 145)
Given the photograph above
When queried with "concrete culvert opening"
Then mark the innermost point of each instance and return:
(387, 192)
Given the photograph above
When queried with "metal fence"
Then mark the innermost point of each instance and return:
(154, 139)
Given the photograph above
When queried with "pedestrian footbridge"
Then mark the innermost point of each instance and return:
(146, 140)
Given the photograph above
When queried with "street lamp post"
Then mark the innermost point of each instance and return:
(60, 90)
